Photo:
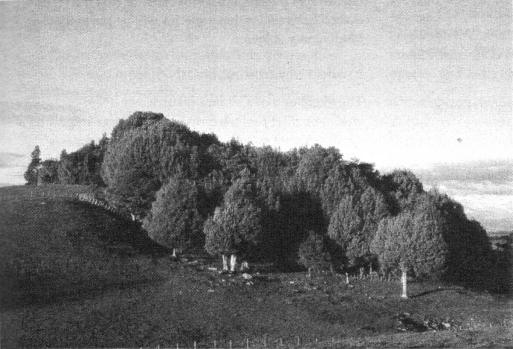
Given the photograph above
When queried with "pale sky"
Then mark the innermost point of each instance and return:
(395, 83)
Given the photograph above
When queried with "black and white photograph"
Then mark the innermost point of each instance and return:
(256, 174)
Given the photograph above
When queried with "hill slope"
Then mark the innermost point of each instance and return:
(78, 276)
(51, 244)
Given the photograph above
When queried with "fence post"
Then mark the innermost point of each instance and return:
(194, 344)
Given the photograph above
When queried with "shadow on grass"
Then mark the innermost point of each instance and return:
(71, 294)
(439, 289)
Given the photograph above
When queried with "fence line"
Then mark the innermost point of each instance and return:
(79, 194)
(91, 199)
(257, 343)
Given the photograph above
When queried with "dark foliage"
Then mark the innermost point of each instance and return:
(48, 172)
(236, 226)
(175, 221)
(31, 174)
(299, 213)
(144, 152)
(354, 223)
(262, 203)
(313, 253)
(84, 165)
(403, 187)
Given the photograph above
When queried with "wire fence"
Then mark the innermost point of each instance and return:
(256, 343)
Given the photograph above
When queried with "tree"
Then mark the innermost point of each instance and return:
(413, 242)
(404, 187)
(138, 120)
(48, 172)
(354, 223)
(31, 174)
(236, 226)
(313, 254)
(470, 254)
(144, 152)
(84, 165)
(175, 221)
(314, 167)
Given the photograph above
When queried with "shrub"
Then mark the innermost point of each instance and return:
(313, 253)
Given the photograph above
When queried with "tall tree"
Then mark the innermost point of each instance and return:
(144, 152)
(403, 187)
(236, 226)
(31, 174)
(175, 220)
(354, 223)
(470, 252)
(314, 167)
(48, 172)
(413, 242)
(84, 165)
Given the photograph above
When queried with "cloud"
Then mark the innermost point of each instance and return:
(484, 188)
(34, 114)
(497, 171)
(8, 159)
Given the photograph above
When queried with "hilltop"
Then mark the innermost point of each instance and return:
(81, 276)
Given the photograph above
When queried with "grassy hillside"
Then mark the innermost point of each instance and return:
(52, 245)
(80, 277)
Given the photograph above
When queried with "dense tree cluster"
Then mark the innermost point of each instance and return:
(84, 165)
(79, 167)
(306, 207)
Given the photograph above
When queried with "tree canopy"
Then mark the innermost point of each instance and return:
(236, 226)
(294, 208)
(354, 223)
(31, 173)
(175, 220)
(414, 240)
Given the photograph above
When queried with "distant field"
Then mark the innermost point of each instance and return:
(493, 234)
(78, 276)
(23, 192)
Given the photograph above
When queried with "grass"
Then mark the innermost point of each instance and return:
(52, 246)
(80, 277)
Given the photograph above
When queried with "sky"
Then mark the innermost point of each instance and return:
(425, 85)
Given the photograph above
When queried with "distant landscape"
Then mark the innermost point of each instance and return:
(256, 174)
(159, 235)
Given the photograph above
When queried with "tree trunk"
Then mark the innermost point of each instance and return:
(404, 281)
(233, 263)
(225, 262)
